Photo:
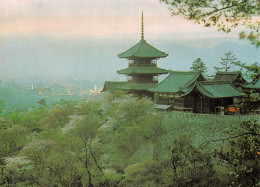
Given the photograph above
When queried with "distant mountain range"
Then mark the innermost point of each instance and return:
(47, 58)
(181, 57)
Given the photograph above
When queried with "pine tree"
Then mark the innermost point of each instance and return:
(199, 65)
(227, 61)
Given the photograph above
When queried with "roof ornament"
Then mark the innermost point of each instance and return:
(142, 33)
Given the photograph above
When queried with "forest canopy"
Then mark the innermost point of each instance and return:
(118, 140)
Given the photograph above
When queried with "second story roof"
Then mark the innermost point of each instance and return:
(143, 70)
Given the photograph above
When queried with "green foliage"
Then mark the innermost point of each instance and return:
(251, 71)
(227, 61)
(151, 127)
(190, 166)
(67, 106)
(186, 166)
(65, 168)
(29, 119)
(12, 140)
(199, 65)
(147, 173)
(131, 109)
(243, 154)
(136, 125)
(90, 107)
(2, 100)
(56, 118)
(5, 123)
(86, 131)
(87, 128)
(120, 141)
(253, 37)
(38, 151)
(42, 102)
(1, 106)
(16, 171)
(225, 15)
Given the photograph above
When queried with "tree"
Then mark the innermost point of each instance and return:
(38, 151)
(135, 125)
(146, 173)
(251, 71)
(190, 166)
(224, 14)
(16, 171)
(42, 102)
(227, 61)
(56, 118)
(64, 168)
(199, 65)
(12, 140)
(86, 131)
(242, 154)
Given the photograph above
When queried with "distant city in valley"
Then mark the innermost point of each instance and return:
(35, 68)
(24, 95)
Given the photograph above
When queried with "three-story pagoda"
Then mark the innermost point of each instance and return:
(142, 71)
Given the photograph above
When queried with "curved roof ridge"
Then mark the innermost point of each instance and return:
(155, 48)
(191, 89)
(184, 72)
(229, 72)
(129, 49)
(216, 81)
(168, 77)
(191, 80)
(199, 86)
(176, 81)
(139, 44)
(233, 85)
(143, 50)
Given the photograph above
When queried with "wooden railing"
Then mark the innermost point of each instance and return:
(142, 65)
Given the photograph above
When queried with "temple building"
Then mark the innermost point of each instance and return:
(142, 71)
(234, 76)
(190, 91)
(181, 90)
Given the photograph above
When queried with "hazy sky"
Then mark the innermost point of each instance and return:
(53, 38)
(95, 19)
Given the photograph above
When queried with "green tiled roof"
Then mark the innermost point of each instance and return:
(143, 50)
(178, 81)
(112, 86)
(234, 76)
(143, 70)
(137, 86)
(217, 89)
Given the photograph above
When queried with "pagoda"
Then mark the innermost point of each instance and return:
(142, 71)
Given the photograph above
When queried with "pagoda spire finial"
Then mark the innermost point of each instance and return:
(142, 33)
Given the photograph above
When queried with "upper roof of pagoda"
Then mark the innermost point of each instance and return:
(142, 49)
